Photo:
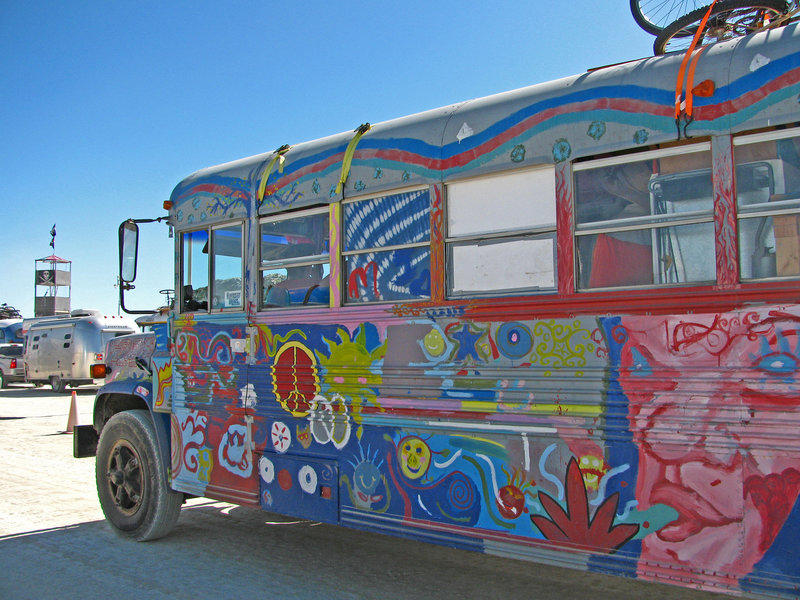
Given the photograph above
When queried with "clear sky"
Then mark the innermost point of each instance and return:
(106, 106)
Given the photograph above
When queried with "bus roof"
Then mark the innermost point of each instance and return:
(611, 109)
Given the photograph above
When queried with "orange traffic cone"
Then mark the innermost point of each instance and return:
(73, 413)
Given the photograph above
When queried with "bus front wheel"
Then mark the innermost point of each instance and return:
(132, 479)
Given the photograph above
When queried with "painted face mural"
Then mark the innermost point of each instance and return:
(511, 498)
(415, 457)
(728, 384)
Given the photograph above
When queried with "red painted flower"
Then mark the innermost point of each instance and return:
(573, 526)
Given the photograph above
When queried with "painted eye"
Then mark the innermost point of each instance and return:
(640, 366)
(778, 364)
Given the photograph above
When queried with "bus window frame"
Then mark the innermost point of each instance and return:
(648, 223)
(346, 253)
(210, 271)
(299, 261)
(544, 231)
(770, 209)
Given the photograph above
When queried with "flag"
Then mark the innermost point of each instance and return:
(53, 237)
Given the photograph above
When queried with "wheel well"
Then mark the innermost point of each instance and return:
(108, 405)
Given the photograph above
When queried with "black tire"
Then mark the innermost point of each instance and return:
(58, 384)
(729, 19)
(654, 15)
(132, 479)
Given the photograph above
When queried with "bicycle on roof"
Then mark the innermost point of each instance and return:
(675, 23)
(9, 312)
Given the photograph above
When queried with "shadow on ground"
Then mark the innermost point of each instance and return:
(220, 550)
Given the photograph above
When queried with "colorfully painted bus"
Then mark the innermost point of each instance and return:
(560, 324)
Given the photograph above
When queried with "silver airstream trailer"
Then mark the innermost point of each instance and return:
(61, 350)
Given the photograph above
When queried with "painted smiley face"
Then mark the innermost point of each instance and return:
(366, 477)
(415, 457)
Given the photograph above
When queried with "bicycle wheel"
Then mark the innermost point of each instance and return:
(654, 15)
(729, 19)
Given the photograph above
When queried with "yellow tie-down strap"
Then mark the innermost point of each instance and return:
(348, 154)
(278, 157)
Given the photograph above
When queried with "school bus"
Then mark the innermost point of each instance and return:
(558, 324)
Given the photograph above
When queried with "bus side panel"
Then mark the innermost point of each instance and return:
(299, 486)
(563, 441)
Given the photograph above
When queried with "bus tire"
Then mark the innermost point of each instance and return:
(132, 478)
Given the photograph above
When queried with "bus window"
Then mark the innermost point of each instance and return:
(194, 258)
(387, 247)
(224, 260)
(295, 260)
(226, 244)
(501, 233)
(645, 220)
(768, 204)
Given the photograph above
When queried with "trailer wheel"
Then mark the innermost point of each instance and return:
(58, 384)
(132, 479)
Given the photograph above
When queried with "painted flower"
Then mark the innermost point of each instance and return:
(573, 525)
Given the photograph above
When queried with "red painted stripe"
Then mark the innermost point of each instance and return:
(464, 158)
(212, 188)
(715, 111)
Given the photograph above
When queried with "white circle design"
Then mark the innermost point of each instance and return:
(307, 478)
(281, 436)
(266, 469)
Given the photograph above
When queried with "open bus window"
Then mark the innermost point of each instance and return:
(387, 247)
(768, 204)
(295, 260)
(501, 233)
(645, 219)
(222, 258)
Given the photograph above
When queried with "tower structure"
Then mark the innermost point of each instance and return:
(53, 290)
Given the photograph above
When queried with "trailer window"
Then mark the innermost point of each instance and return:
(645, 219)
(768, 204)
(501, 233)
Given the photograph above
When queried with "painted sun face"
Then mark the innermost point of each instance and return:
(510, 502)
(415, 457)
(593, 468)
(366, 478)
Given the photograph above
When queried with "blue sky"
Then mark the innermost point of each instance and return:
(106, 106)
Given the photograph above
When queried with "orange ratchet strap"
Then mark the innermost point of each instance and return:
(686, 110)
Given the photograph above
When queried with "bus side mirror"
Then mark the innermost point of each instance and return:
(128, 250)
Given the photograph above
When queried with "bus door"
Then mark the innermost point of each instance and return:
(212, 420)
